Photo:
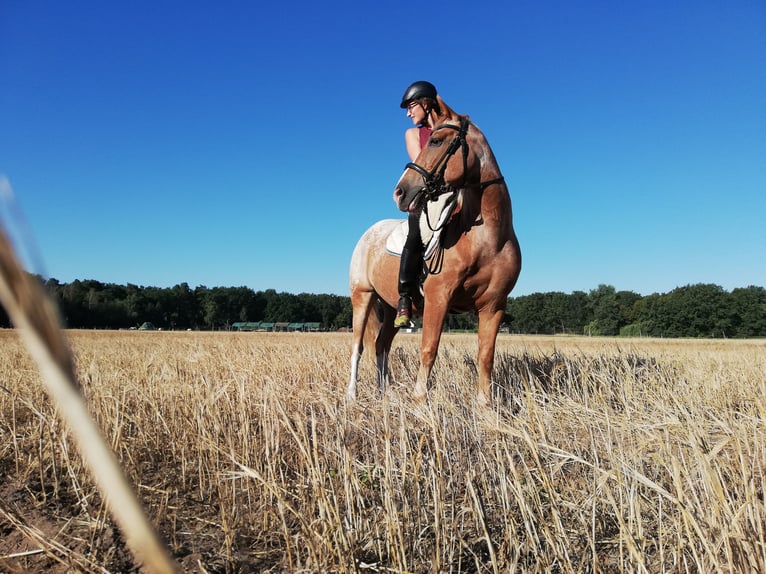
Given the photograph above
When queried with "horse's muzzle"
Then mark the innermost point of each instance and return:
(404, 201)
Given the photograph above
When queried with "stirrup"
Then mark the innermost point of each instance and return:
(403, 312)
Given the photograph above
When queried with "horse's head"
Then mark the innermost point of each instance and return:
(448, 161)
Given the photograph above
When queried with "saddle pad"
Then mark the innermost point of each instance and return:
(395, 240)
(432, 221)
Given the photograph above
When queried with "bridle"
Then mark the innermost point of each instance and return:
(433, 181)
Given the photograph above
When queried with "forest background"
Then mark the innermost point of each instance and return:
(700, 310)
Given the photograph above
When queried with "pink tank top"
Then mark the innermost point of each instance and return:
(425, 133)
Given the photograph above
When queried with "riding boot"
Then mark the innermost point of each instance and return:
(409, 272)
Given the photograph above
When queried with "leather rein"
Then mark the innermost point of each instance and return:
(433, 181)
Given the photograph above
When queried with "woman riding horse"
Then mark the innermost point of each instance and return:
(419, 100)
(479, 254)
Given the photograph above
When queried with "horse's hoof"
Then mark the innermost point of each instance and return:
(420, 399)
(484, 401)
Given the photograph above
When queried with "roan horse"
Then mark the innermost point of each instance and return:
(480, 258)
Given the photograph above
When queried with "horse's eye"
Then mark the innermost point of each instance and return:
(434, 142)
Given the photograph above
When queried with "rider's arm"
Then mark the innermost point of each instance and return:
(412, 139)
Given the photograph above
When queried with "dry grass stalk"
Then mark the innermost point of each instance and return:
(51, 548)
(36, 318)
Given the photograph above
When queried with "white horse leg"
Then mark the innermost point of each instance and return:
(361, 301)
(355, 356)
(381, 361)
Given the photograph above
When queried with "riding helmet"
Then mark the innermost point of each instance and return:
(418, 90)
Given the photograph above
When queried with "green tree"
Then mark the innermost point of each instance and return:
(283, 307)
(184, 312)
(605, 311)
(701, 310)
(548, 313)
(462, 322)
(749, 311)
(344, 318)
(577, 313)
(527, 314)
(627, 303)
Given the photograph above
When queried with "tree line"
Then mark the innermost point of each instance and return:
(90, 304)
(702, 310)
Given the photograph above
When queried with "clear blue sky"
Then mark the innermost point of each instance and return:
(251, 143)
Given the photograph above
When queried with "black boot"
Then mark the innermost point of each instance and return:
(409, 272)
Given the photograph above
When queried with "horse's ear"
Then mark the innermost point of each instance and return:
(445, 112)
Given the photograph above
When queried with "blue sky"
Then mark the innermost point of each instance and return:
(248, 143)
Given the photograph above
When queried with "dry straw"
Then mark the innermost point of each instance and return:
(37, 320)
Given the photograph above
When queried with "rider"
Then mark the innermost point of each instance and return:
(419, 100)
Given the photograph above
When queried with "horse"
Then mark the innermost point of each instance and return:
(477, 264)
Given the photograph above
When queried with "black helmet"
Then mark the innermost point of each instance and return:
(418, 90)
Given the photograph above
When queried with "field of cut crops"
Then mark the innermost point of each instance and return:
(599, 455)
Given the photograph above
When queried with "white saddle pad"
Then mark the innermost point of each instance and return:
(434, 216)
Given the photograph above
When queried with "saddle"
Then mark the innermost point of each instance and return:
(433, 219)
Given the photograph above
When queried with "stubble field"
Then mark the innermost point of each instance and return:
(600, 455)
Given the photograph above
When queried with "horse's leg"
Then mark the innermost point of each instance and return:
(489, 324)
(361, 302)
(385, 338)
(434, 315)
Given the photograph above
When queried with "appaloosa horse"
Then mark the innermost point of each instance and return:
(478, 262)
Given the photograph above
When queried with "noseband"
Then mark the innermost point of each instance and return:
(433, 181)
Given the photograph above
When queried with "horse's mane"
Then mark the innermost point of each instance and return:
(446, 113)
